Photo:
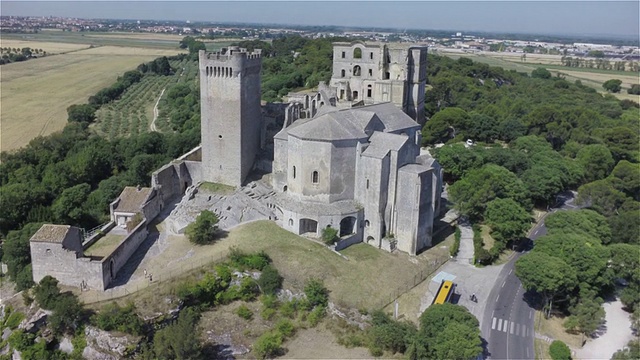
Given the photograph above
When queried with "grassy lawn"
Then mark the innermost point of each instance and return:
(487, 240)
(216, 188)
(541, 348)
(36, 93)
(553, 329)
(104, 246)
(368, 279)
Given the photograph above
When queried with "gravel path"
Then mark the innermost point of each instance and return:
(617, 333)
(465, 253)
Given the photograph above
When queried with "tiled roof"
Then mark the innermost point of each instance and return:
(51, 233)
(132, 199)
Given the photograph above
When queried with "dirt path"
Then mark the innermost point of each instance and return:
(152, 126)
(616, 333)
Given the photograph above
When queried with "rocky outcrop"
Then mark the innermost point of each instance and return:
(35, 321)
(65, 345)
(102, 345)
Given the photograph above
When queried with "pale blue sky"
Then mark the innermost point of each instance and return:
(543, 17)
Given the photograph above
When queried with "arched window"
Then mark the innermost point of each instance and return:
(357, 53)
(366, 223)
(356, 70)
(314, 177)
(290, 222)
(294, 172)
(355, 95)
(342, 73)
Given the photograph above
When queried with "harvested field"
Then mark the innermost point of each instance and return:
(36, 93)
(49, 47)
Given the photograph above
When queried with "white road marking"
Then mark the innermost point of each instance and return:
(497, 297)
(499, 324)
(530, 312)
(517, 329)
(505, 326)
(493, 324)
(511, 328)
(510, 271)
(504, 283)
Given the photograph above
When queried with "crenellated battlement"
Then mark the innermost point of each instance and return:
(228, 63)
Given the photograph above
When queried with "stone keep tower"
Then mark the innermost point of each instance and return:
(230, 112)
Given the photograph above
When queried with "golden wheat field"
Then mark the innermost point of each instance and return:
(35, 94)
(49, 47)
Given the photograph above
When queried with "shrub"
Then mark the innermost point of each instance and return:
(47, 292)
(329, 235)
(244, 312)
(285, 327)
(248, 289)
(270, 280)
(68, 314)
(267, 313)
(13, 320)
(243, 261)
(268, 345)
(289, 308)
(269, 301)
(124, 319)
(559, 351)
(316, 315)
(316, 293)
(203, 230)
(456, 243)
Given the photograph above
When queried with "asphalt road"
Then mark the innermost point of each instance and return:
(508, 325)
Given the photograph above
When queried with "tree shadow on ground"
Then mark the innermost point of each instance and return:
(485, 348)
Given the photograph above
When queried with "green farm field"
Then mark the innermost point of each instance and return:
(35, 94)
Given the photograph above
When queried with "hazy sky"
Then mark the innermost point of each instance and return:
(544, 17)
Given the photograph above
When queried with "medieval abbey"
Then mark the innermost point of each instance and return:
(346, 156)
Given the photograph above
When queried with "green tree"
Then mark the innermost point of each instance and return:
(444, 125)
(602, 197)
(625, 260)
(330, 235)
(613, 85)
(203, 230)
(84, 113)
(68, 208)
(587, 315)
(179, 340)
(634, 89)
(559, 351)
(68, 314)
(450, 332)
(624, 227)
(626, 177)
(583, 253)
(507, 219)
(17, 255)
(547, 275)
(317, 294)
(114, 317)
(541, 73)
(47, 292)
(472, 193)
(582, 222)
(268, 345)
(457, 160)
(270, 280)
(597, 161)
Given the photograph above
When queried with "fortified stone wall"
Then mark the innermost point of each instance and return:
(119, 257)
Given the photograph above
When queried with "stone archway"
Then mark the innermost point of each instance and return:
(308, 226)
(347, 226)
